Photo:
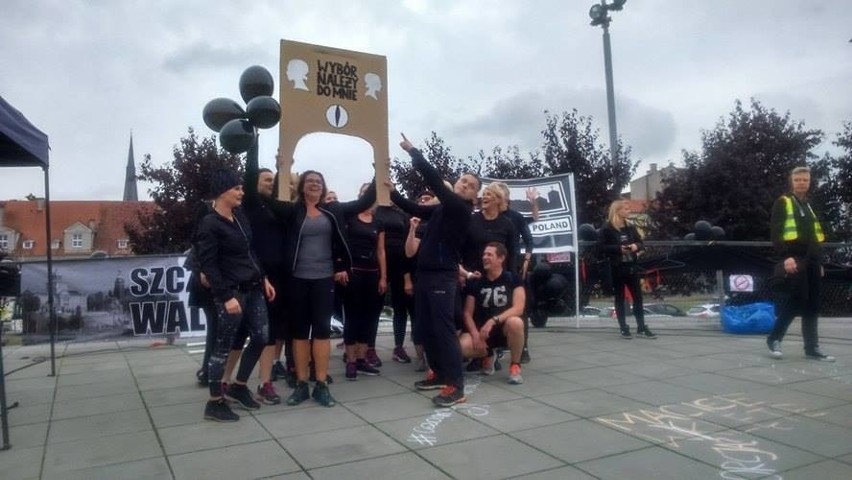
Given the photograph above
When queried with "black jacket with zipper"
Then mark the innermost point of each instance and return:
(292, 216)
(225, 255)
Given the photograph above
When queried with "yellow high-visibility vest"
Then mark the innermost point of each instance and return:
(790, 231)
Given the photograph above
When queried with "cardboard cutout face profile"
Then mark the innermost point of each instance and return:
(334, 91)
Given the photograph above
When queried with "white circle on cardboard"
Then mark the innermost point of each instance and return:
(337, 116)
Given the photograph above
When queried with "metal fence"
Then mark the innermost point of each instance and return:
(697, 278)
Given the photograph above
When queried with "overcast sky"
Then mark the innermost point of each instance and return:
(478, 72)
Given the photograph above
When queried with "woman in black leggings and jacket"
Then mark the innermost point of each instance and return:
(238, 285)
(620, 244)
(316, 254)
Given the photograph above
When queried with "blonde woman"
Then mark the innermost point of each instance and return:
(489, 225)
(621, 243)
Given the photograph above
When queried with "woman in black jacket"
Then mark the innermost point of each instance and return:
(316, 255)
(620, 244)
(238, 285)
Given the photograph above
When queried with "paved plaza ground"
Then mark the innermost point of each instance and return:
(695, 403)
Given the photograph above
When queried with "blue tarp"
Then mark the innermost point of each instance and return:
(21, 144)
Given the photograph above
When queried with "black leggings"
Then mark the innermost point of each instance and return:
(362, 305)
(402, 303)
(623, 277)
(311, 306)
(212, 322)
(254, 315)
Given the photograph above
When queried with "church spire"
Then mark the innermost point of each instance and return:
(130, 191)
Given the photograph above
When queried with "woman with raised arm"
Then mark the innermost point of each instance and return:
(317, 255)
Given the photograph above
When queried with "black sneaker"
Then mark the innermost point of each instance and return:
(299, 395)
(774, 348)
(525, 356)
(366, 368)
(449, 396)
(322, 395)
(219, 411)
(431, 382)
(242, 395)
(278, 371)
(625, 334)
(313, 376)
(817, 354)
(373, 358)
(646, 333)
(201, 376)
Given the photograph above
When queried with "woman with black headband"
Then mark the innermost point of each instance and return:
(238, 285)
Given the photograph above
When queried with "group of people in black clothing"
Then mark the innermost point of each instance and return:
(267, 269)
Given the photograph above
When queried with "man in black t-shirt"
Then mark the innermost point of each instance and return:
(493, 307)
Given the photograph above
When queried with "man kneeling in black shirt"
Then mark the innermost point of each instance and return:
(492, 313)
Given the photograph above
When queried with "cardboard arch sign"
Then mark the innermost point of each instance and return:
(330, 90)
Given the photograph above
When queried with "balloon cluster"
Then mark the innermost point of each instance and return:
(237, 127)
(704, 231)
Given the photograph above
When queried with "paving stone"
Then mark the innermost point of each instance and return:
(340, 446)
(654, 392)
(828, 469)
(208, 434)
(291, 422)
(148, 469)
(61, 458)
(439, 427)
(173, 396)
(253, 460)
(21, 463)
(806, 434)
(564, 473)
(392, 407)
(26, 414)
(403, 466)
(518, 415)
(591, 402)
(711, 383)
(30, 435)
(78, 392)
(599, 377)
(97, 426)
(491, 457)
(580, 440)
(365, 388)
(97, 405)
(653, 462)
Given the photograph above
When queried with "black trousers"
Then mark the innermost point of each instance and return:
(801, 297)
(311, 305)
(622, 276)
(362, 305)
(435, 302)
(254, 314)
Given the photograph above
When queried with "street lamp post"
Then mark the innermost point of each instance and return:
(599, 15)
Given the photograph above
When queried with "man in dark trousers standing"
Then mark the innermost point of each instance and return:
(797, 234)
(437, 270)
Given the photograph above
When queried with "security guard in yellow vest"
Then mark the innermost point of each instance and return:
(797, 237)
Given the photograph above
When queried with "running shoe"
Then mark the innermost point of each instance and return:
(364, 367)
(774, 348)
(373, 358)
(400, 355)
(322, 395)
(817, 354)
(299, 395)
(219, 411)
(449, 396)
(487, 364)
(242, 396)
(515, 377)
(267, 394)
(431, 382)
(646, 333)
(351, 371)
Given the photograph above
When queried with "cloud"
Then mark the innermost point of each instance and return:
(519, 119)
(203, 55)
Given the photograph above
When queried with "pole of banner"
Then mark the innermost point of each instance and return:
(576, 243)
(4, 412)
(49, 246)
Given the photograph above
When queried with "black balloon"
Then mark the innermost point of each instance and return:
(237, 136)
(587, 232)
(256, 81)
(718, 232)
(703, 230)
(263, 111)
(689, 236)
(220, 111)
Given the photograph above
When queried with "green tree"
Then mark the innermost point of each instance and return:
(509, 163)
(742, 168)
(179, 188)
(572, 145)
(835, 190)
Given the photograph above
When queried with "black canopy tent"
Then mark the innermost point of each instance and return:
(24, 145)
